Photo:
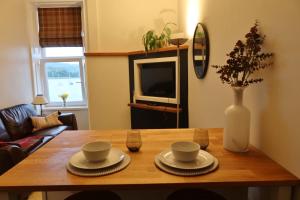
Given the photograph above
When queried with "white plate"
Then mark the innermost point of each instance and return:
(204, 159)
(78, 160)
(186, 172)
(100, 172)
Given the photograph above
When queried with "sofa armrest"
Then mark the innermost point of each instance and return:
(9, 156)
(68, 119)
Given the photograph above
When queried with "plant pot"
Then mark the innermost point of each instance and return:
(237, 124)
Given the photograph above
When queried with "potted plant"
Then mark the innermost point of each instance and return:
(152, 40)
(245, 59)
(64, 97)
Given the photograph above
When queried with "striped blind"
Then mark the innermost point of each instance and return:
(60, 27)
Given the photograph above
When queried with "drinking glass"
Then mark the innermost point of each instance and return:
(201, 137)
(134, 140)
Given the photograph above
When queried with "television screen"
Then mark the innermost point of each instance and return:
(158, 79)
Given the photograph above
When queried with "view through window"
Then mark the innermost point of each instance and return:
(63, 70)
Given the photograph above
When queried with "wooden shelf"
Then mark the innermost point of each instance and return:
(157, 108)
(169, 48)
(164, 49)
(103, 54)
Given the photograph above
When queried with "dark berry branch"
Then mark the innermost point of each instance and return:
(245, 58)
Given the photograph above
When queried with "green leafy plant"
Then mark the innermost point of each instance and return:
(199, 34)
(152, 40)
(244, 60)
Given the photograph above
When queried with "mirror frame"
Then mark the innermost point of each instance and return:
(200, 70)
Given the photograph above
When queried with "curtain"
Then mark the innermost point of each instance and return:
(60, 27)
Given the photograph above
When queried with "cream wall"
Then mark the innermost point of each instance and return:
(15, 71)
(274, 104)
(118, 26)
(82, 115)
(108, 87)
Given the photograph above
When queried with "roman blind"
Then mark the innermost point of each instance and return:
(60, 27)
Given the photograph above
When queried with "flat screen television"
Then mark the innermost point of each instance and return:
(158, 79)
(155, 79)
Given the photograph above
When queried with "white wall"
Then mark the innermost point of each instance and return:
(118, 26)
(15, 71)
(274, 104)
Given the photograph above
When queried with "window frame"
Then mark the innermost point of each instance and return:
(44, 79)
(38, 55)
(43, 53)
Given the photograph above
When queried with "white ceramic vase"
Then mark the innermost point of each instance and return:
(237, 124)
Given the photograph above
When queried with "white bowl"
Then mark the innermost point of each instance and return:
(96, 151)
(185, 151)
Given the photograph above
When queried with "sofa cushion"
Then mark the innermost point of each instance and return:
(53, 131)
(45, 122)
(3, 134)
(17, 120)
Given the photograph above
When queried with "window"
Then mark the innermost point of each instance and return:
(61, 63)
(62, 52)
(62, 72)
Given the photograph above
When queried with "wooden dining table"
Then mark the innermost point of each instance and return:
(45, 169)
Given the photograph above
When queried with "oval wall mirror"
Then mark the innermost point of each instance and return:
(200, 51)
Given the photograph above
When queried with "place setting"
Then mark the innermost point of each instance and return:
(187, 158)
(97, 159)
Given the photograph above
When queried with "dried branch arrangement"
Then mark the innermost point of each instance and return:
(245, 58)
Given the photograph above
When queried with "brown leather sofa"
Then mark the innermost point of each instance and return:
(17, 138)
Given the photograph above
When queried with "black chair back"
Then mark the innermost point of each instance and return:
(194, 194)
(94, 195)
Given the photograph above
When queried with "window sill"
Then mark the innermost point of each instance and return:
(68, 108)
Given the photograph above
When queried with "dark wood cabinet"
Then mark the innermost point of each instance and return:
(146, 114)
